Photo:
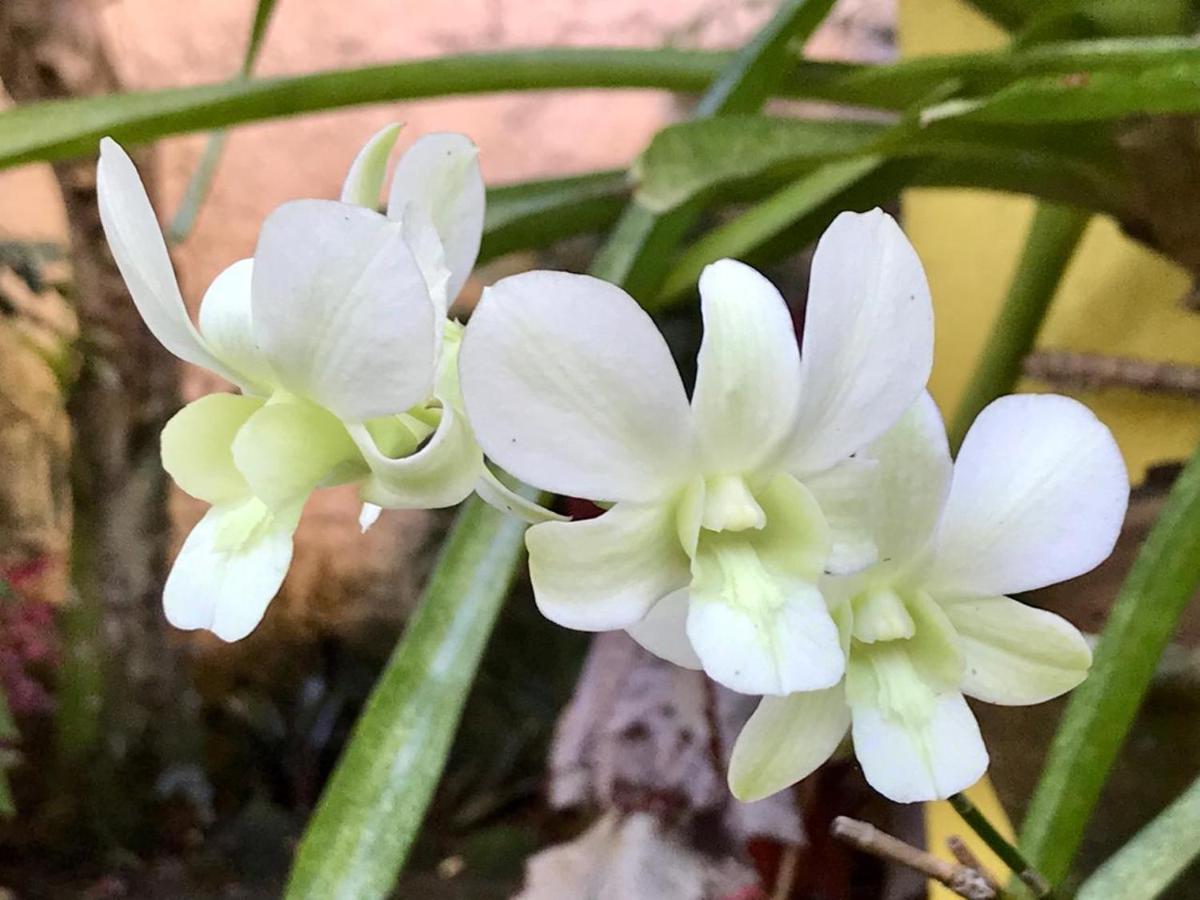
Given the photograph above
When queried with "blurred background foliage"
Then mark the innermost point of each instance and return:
(1046, 159)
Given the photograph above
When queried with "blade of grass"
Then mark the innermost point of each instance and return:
(1154, 858)
(63, 128)
(1164, 578)
(1050, 244)
(201, 180)
(639, 249)
(372, 808)
(740, 236)
(537, 213)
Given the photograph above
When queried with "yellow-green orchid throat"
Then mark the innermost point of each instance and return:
(725, 510)
(336, 333)
(1036, 496)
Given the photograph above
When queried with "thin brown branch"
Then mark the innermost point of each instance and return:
(1064, 369)
(966, 881)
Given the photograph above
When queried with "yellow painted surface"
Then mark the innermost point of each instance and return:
(1116, 298)
(942, 822)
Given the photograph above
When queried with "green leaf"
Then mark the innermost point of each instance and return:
(63, 128)
(1163, 580)
(694, 161)
(1049, 246)
(691, 160)
(900, 85)
(201, 180)
(372, 808)
(1083, 97)
(537, 213)
(638, 251)
(741, 236)
(1154, 858)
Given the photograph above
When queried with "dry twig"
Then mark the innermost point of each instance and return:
(966, 881)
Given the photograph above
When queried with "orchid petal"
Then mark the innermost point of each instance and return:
(497, 494)
(197, 446)
(1038, 496)
(341, 309)
(137, 245)
(663, 631)
(571, 388)
(364, 181)
(227, 326)
(1017, 655)
(229, 569)
(287, 449)
(439, 175)
(747, 375)
(442, 473)
(868, 339)
(848, 497)
(756, 629)
(785, 741)
(368, 516)
(930, 760)
(912, 482)
(606, 573)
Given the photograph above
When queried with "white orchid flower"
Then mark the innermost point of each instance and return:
(724, 512)
(1036, 496)
(336, 332)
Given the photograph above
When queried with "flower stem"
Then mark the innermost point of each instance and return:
(1009, 854)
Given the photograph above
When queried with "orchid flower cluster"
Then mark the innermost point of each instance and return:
(796, 528)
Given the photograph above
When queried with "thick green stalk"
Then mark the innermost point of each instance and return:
(1049, 246)
(640, 248)
(64, 128)
(1164, 578)
(372, 808)
(1154, 858)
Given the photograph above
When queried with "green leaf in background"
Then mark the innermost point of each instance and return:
(901, 84)
(63, 128)
(8, 734)
(201, 180)
(536, 213)
(1164, 578)
(1082, 97)
(694, 161)
(744, 234)
(372, 808)
(1050, 244)
(1154, 858)
(638, 251)
(690, 161)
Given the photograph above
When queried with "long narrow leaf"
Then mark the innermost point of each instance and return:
(744, 234)
(201, 180)
(638, 251)
(63, 128)
(1050, 244)
(373, 806)
(1157, 855)
(1163, 90)
(535, 214)
(1164, 578)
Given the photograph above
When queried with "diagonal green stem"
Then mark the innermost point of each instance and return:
(641, 246)
(372, 808)
(997, 843)
(1154, 858)
(1049, 246)
(1163, 580)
